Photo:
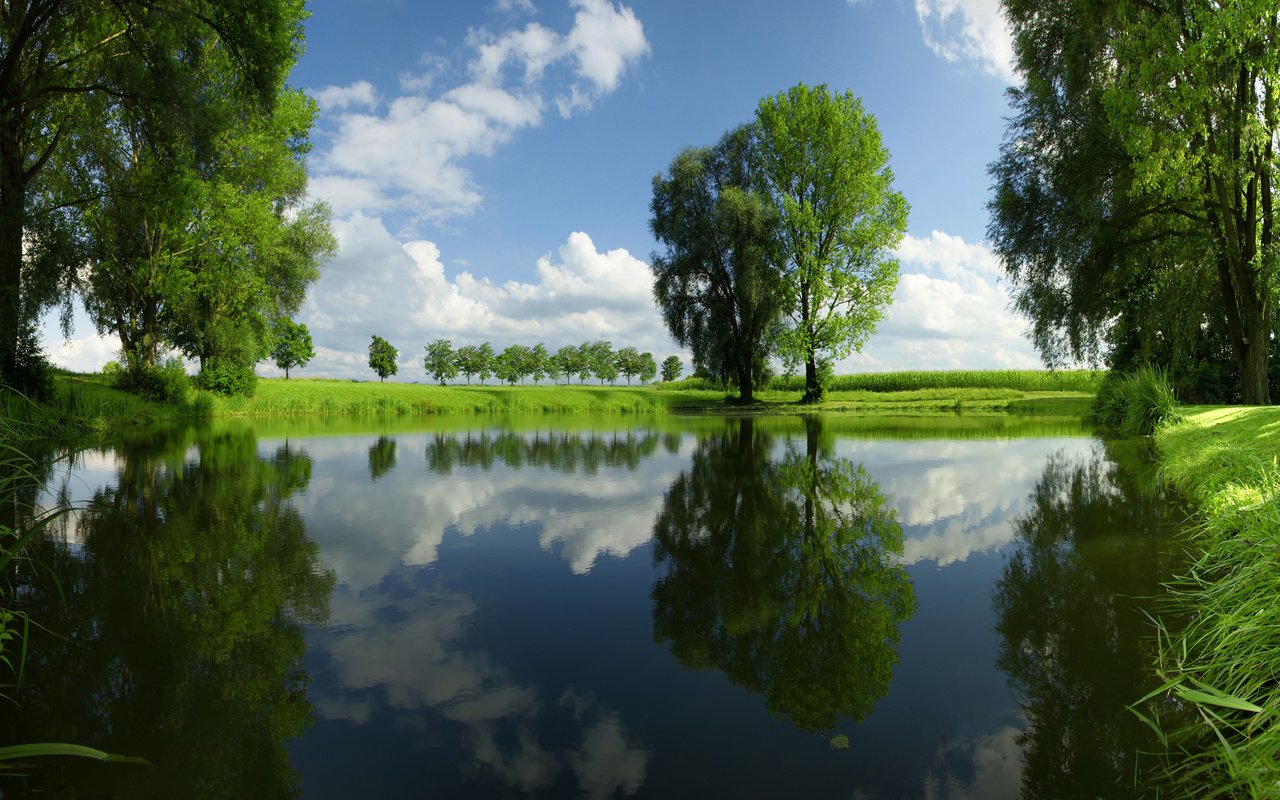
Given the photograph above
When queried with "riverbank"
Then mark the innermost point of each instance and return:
(88, 404)
(1222, 666)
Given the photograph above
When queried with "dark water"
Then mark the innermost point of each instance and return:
(574, 608)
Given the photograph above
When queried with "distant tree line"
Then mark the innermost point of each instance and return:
(518, 363)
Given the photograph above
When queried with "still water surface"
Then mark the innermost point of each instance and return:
(620, 608)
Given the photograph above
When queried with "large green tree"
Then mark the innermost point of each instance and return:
(840, 222)
(717, 281)
(63, 65)
(1134, 194)
(440, 361)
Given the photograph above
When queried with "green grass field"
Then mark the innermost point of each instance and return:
(303, 397)
(1223, 665)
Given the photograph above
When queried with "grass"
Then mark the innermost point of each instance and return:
(1222, 668)
(87, 404)
(1085, 381)
(311, 397)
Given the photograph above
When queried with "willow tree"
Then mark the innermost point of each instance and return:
(60, 62)
(840, 222)
(1139, 168)
(717, 282)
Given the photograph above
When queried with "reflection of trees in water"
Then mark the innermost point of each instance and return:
(781, 573)
(584, 453)
(382, 457)
(181, 632)
(1095, 543)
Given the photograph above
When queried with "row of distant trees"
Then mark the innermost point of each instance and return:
(519, 362)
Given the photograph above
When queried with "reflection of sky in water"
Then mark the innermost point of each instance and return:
(958, 498)
(489, 631)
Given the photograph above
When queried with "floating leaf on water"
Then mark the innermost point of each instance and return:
(839, 742)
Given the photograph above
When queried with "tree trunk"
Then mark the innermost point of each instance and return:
(812, 391)
(12, 219)
(746, 392)
(1256, 388)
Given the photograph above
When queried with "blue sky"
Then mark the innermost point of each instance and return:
(489, 164)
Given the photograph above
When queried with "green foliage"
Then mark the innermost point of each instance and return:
(382, 358)
(1134, 208)
(293, 346)
(228, 378)
(671, 368)
(1136, 404)
(717, 280)
(841, 220)
(440, 361)
(167, 383)
(600, 360)
(79, 85)
(568, 361)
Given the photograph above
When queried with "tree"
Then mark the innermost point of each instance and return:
(628, 362)
(566, 361)
(840, 221)
(293, 347)
(382, 358)
(648, 368)
(440, 361)
(539, 362)
(476, 360)
(671, 368)
(1134, 195)
(718, 280)
(510, 364)
(64, 67)
(584, 362)
(203, 248)
(601, 361)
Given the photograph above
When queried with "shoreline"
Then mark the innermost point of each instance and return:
(1222, 664)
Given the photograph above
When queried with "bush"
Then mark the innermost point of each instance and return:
(1136, 404)
(167, 383)
(228, 378)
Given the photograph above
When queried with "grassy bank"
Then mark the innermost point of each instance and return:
(88, 404)
(368, 399)
(1223, 666)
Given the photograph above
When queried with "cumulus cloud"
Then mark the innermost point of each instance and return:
(412, 156)
(402, 292)
(968, 32)
(951, 311)
(360, 94)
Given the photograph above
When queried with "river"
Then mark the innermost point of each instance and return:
(624, 607)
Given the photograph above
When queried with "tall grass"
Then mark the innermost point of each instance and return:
(1136, 404)
(1222, 667)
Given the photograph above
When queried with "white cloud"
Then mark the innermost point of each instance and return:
(951, 311)
(969, 31)
(360, 94)
(400, 291)
(412, 156)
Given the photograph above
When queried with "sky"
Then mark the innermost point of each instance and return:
(489, 166)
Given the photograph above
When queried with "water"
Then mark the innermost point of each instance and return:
(776, 607)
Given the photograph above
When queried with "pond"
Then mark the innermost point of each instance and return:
(663, 607)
